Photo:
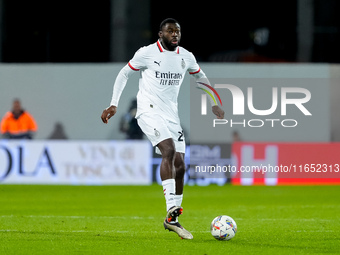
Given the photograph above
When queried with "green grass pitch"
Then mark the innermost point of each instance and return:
(128, 220)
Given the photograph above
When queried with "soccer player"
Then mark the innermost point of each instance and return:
(162, 66)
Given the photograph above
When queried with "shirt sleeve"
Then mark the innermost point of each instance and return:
(201, 79)
(203, 82)
(135, 64)
(120, 83)
(138, 61)
(193, 68)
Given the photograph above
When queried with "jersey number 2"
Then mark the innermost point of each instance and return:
(181, 134)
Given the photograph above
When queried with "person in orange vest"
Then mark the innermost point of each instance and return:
(18, 124)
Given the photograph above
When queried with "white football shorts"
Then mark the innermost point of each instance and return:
(158, 129)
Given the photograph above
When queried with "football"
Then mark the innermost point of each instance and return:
(223, 228)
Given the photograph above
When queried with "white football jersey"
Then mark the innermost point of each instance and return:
(162, 73)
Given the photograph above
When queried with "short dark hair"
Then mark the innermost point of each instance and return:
(168, 20)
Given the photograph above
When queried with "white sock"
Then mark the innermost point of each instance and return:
(178, 199)
(169, 189)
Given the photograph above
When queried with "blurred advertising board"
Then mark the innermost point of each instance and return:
(285, 163)
(132, 163)
(75, 162)
(200, 154)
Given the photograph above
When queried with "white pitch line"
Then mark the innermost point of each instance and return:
(283, 219)
(154, 218)
(78, 217)
(124, 231)
(66, 231)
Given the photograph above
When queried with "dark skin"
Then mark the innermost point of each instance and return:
(170, 36)
(172, 165)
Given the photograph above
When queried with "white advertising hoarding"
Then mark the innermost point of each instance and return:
(75, 162)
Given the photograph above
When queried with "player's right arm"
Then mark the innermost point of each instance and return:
(118, 88)
(135, 64)
(108, 113)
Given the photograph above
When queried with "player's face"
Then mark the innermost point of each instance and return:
(170, 35)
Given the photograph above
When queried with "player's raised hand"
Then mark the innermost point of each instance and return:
(108, 113)
(218, 112)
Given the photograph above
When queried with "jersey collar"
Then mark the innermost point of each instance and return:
(161, 49)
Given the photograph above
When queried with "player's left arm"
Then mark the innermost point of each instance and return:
(202, 81)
